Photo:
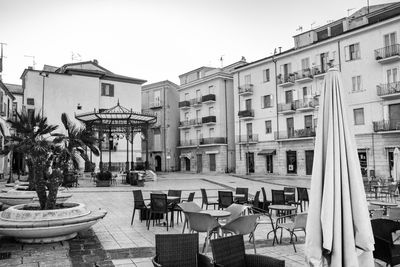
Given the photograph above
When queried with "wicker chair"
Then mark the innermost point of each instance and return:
(225, 199)
(298, 223)
(290, 195)
(302, 198)
(139, 203)
(266, 202)
(179, 250)
(158, 205)
(188, 207)
(172, 204)
(230, 252)
(244, 191)
(205, 200)
(265, 218)
(385, 250)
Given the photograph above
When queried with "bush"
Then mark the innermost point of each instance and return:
(104, 176)
(89, 166)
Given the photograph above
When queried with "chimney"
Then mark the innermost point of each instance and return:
(95, 61)
(30, 68)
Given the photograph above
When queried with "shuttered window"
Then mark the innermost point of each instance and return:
(107, 89)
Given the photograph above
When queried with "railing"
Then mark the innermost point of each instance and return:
(317, 70)
(299, 133)
(286, 106)
(386, 125)
(246, 113)
(387, 51)
(209, 119)
(196, 101)
(187, 123)
(197, 121)
(203, 141)
(303, 74)
(209, 97)
(185, 103)
(250, 138)
(156, 104)
(246, 88)
(388, 89)
(305, 103)
(288, 78)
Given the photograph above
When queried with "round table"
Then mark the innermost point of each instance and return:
(217, 213)
(282, 207)
(383, 204)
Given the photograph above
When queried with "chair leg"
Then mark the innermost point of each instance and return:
(133, 215)
(291, 238)
(166, 214)
(254, 242)
(184, 226)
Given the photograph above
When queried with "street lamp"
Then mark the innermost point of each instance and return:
(44, 75)
(11, 178)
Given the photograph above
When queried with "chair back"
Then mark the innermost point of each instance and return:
(158, 203)
(229, 251)
(243, 225)
(204, 197)
(377, 213)
(191, 197)
(302, 194)
(383, 228)
(278, 197)
(244, 191)
(177, 250)
(256, 200)
(289, 193)
(394, 213)
(138, 199)
(236, 210)
(189, 207)
(300, 221)
(225, 198)
(175, 193)
(202, 222)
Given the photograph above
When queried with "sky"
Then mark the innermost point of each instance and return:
(155, 40)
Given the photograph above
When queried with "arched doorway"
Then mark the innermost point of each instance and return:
(187, 164)
(158, 163)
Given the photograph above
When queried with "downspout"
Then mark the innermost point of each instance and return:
(165, 129)
(240, 147)
(276, 98)
(373, 152)
(226, 130)
(340, 62)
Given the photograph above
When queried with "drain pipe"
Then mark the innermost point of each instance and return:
(240, 147)
(164, 134)
(276, 97)
(226, 128)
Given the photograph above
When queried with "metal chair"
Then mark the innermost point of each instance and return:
(139, 203)
(298, 223)
(243, 191)
(158, 205)
(290, 195)
(278, 197)
(188, 207)
(230, 251)
(243, 225)
(394, 213)
(377, 213)
(236, 211)
(190, 197)
(179, 250)
(302, 198)
(225, 199)
(266, 202)
(385, 250)
(172, 204)
(265, 218)
(205, 200)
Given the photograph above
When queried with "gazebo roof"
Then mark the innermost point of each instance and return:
(117, 119)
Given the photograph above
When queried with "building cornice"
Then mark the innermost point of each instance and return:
(214, 76)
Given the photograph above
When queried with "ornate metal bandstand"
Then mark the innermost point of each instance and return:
(118, 120)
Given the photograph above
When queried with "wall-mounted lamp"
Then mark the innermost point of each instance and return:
(79, 107)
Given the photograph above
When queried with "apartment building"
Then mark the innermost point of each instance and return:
(206, 119)
(161, 99)
(81, 87)
(277, 97)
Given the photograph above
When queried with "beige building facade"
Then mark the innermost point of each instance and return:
(161, 99)
(277, 98)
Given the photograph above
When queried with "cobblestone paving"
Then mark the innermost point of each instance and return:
(115, 242)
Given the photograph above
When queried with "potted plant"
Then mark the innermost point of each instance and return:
(49, 156)
(103, 179)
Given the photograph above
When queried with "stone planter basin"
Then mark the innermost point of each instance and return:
(47, 226)
(16, 197)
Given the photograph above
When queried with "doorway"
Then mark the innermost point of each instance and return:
(290, 127)
(187, 164)
(199, 163)
(158, 163)
(250, 162)
(309, 161)
(394, 116)
(291, 161)
(213, 164)
(269, 163)
(362, 157)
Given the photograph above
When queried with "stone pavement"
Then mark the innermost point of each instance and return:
(114, 242)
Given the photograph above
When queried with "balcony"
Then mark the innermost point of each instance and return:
(388, 90)
(197, 122)
(319, 71)
(388, 54)
(184, 104)
(387, 126)
(212, 140)
(196, 102)
(246, 114)
(295, 134)
(186, 124)
(287, 108)
(208, 99)
(247, 139)
(303, 76)
(209, 120)
(246, 89)
(305, 104)
(155, 105)
(285, 81)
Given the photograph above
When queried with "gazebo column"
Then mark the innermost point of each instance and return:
(110, 144)
(127, 153)
(132, 163)
(146, 164)
(101, 151)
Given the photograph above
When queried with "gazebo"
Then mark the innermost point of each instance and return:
(118, 120)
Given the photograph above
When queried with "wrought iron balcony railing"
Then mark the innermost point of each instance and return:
(246, 113)
(305, 103)
(386, 125)
(209, 119)
(185, 103)
(303, 74)
(209, 97)
(298, 133)
(250, 138)
(155, 104)
(388, 89)
(286, 78)
(203, 141)
(285, 107)
(196, 101)
(245, 89)
(387, 51)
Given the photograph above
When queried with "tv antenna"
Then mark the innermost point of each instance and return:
(300, 29)
(1, 58)
(33, 60)
(312, 24)
(348, 11)
(76, 56)
(222, 61)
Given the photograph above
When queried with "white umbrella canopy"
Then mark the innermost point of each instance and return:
(338, 228)
(396, 165)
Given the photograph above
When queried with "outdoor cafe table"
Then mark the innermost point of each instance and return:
(285, 208)
(383, 204)
(217, 213)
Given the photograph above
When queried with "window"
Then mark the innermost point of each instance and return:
(288, 97)
(391, 75)
(358, 116)
(30, 101)
(211, 111)
(352, 52)
(266, 75)
(266, 101)
(356, 83)
(211, 89)
(198, 134)
(248, 104)
(198, 94)
(305, 64)
(198, 115)
(31, 112)
(186, 96)
(305, 92)
(268, 127)
(107, 89)
(247, 79)
(211, 132)
(308, 120)
(157, 97)
(186, 136)
(186, 116)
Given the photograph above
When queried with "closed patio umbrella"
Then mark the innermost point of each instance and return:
(396, 165)
(338, 228)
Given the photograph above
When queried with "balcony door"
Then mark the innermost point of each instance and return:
(390, 41)
(250, 162)
(309, 161)
(289, 97)
(199, 163)
(290, 127)
(248, 104)
(394, 116)
(291, 161)
(391, 75)
(324, 62)
(308, 121)
(249, 131)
